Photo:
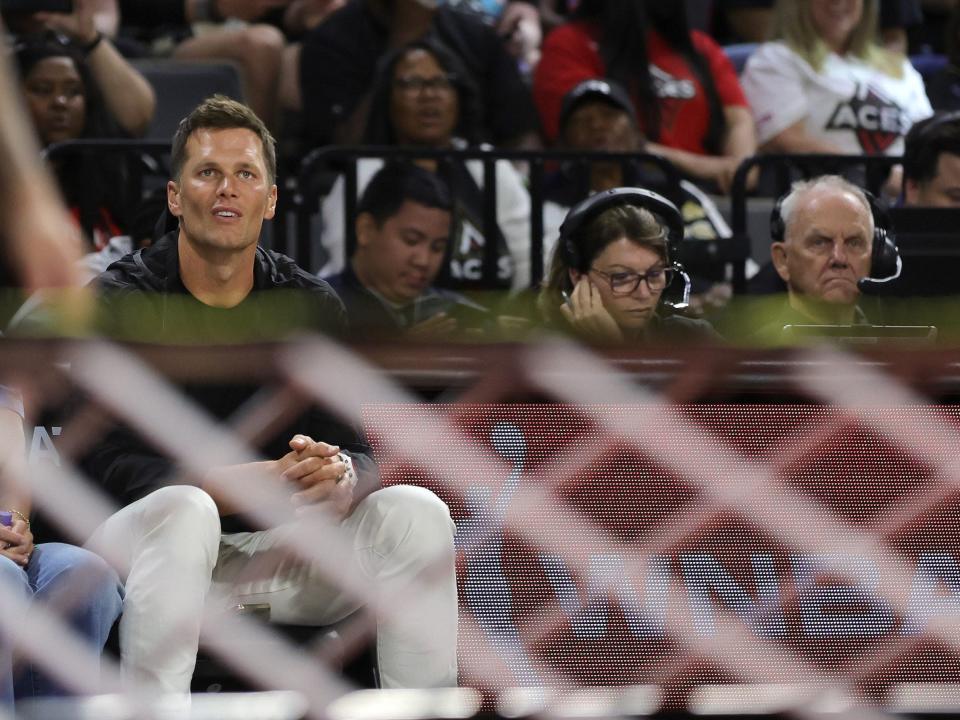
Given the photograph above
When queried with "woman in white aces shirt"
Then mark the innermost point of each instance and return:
(825, 85)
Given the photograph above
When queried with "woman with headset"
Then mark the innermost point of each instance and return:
(615, 268)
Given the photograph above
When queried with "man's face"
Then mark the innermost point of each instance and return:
(943, 190)
(827, 246)
(401, 258)
(595, 124)
(224, 194)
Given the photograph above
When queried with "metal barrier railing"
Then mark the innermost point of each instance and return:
(130, 149)
(299, 191)
(344, 159)
(299, 196)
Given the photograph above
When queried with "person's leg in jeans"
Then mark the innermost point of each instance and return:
(400, 535)
(14, 581)
(79, 586)
(169, 542)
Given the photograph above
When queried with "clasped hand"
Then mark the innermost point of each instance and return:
(16, 542)
(318, 470)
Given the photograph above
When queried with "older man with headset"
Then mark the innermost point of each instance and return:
(829, 240)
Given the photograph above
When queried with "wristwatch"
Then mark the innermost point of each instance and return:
(89, 47)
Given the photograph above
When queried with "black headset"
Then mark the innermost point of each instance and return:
(677, 293)
(885, 262)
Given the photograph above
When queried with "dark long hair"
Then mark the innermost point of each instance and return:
(89, 182)
(380, 129)
(623, 47)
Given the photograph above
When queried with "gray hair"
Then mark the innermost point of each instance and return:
(833, 182)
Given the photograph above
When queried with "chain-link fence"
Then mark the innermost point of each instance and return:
(723, 531)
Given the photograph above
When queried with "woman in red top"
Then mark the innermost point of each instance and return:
(686, 92)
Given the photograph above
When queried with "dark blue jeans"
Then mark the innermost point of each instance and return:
(75, 582)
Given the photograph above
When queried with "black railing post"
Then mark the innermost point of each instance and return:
(490, 225)
(537, 259)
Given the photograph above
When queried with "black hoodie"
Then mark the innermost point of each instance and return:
(143, 297)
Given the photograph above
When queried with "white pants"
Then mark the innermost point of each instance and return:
(174, 549)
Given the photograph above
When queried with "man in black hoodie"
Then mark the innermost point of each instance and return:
(202, 283)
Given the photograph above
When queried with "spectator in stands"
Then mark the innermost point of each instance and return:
(40, 242)
(51, 575)
(127, 97)
(424, 98)
(822, 247)
(403, 234)
(231, 31)
(825, 86)
(516, 20)
(685, 90)
(931, 162)
(212, 274)
(78, 86)
(340, 58)
(614, 271)
(67, 101)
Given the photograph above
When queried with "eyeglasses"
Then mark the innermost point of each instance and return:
(625, 283)
(415, 85)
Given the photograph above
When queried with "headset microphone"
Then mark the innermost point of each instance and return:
(873, 286)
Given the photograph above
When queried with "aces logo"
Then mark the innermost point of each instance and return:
(876, 121)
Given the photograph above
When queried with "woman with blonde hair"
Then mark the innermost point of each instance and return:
(825, 85)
